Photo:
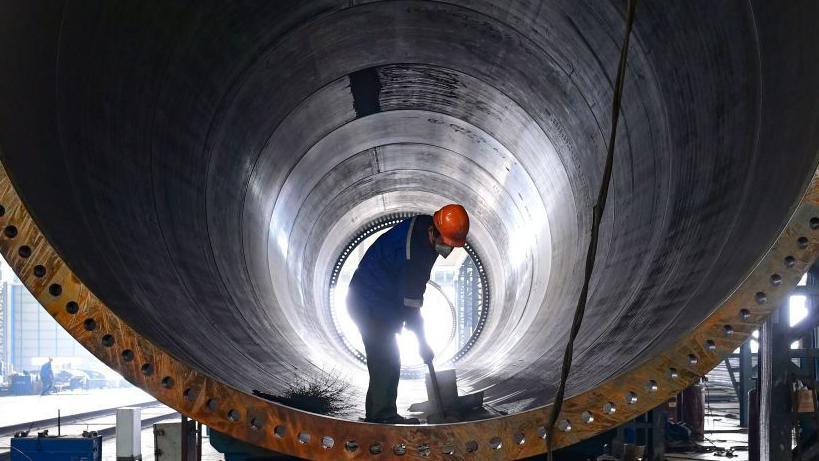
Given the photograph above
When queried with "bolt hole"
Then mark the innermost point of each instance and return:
(55, 289)
(10, 232)
(587, 417)
(609, 408)
(564, 425)
(744, 314)
(471, 446)
(790, 261)
(495, 443)
(24, 251)
(376, 448)
(761, 297)
(90, 324)
(814, 223)
(776, 280)
(542, 432)
(673, 374)
(107, 340)
(147, 369)
(2, 210)
(39, 271)
(212, 404)
(519, 438)
(351, 446)
(304, 438)
(692, 359)
(423, 450)
(280, 431)
(72, 307)
(802, 242)
(255, 424)
(233, 416)
(448, 449)
(128, 355)
(652, 386)
(167, 382)
(188, 394)
(728, 330)
(631, 398)
(399, 449)
(710, 345)
(327, 442)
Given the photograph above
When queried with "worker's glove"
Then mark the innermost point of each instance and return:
(426, 352)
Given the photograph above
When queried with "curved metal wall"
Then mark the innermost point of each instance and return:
(200, 167)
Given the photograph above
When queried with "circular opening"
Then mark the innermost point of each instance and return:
(802, 242)
(167, 382)
(188, 394)
(280, 431)
(814, 223)
(24, 251)
(127, 355)
(471, 446)
(107, 340)
(39, 271)
(327, 442)
(376, 448)
(495, 443)
(72, 307)
(10, 232)
(255, 424)
(399, 449)
(2, 210)
(672, 373)
(448, 449)
(790, 261)
(542, 432)
(631, 398)
(212, 404)
(587, 417)
(423, 450)
(609, 408)
(55, 289)
(692, 359)
(519, 438)
(745, 314)
(351, 446)
(710, 345)
(776, 280)
(147, 369)
(652, 386)
(90, 324)
(304, 437)
(233, 416)
(455, 302)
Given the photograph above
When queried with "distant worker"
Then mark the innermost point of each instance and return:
(47, 376)
(386, 293)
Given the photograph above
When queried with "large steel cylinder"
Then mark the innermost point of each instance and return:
(186, 175)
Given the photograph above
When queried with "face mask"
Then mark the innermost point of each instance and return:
(443, 250)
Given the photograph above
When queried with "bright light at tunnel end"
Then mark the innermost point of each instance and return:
(454, 310)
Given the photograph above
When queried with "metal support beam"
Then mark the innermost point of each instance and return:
(775, 399)
(745, 383)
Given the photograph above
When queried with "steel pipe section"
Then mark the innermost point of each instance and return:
(200, 167)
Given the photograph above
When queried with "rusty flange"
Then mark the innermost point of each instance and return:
(306, 435)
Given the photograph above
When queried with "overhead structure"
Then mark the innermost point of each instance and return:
(180, 179)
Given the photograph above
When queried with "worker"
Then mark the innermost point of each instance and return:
(386, 293)
(47, 376)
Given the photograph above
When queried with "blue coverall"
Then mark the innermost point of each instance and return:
(387, 290)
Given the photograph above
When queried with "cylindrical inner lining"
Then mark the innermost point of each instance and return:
(201, 168)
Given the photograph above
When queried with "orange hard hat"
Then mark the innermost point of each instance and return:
(452, 223)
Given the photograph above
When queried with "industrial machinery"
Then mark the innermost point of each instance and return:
(42, 447)
(179, 180)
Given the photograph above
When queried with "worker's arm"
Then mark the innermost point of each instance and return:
(414, 283)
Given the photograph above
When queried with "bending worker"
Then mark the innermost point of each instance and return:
(387, 292)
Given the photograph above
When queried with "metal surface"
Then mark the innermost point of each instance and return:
(188, 174)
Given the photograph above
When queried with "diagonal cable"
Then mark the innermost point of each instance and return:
(597, 217)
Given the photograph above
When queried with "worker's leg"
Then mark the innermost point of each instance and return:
(384, 365)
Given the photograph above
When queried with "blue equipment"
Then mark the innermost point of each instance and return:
(48, 448)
